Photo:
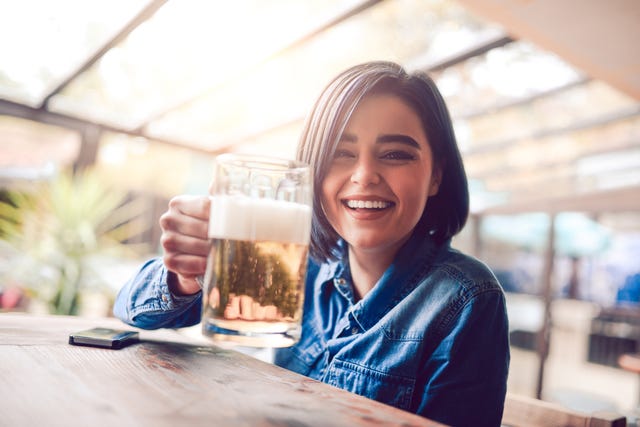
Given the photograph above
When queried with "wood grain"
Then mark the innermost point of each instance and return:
(165, 380)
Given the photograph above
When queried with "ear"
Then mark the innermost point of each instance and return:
(436, 179)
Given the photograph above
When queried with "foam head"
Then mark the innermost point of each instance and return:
(259, 219)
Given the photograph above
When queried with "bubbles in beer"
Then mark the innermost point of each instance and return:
(258, 280)
(257, 263)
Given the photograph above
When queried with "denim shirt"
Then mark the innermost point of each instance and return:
(146, 302)
(431, 337)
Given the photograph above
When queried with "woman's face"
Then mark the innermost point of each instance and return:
(380, 177)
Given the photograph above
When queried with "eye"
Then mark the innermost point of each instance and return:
(398, 155)
(342, 153)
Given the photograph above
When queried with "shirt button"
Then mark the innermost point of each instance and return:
(354, 330)
(164, 298)
(341, 281)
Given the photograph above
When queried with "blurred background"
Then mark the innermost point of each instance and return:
(108, 109)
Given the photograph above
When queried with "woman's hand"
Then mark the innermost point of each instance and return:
(185, 242)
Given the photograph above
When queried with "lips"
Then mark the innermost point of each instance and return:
(367, 209)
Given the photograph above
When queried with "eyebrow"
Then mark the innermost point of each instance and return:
(385, 139)
(402, 139)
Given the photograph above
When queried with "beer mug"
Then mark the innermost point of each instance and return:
(259, 229)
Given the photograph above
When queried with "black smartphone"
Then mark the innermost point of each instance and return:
(104, 338)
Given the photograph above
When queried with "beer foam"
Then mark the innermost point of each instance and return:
(247, 218)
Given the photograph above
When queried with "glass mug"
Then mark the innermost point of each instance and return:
(259, 229)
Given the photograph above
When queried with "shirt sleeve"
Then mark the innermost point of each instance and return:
(467, 375)
(146, 302)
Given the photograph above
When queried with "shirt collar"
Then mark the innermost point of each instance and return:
(338, 274)
(400, 279)
(402, 276)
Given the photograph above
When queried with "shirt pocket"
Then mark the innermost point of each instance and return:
(390, 389)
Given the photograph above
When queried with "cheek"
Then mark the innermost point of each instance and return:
(416, 197)
(331, 185)
(330, 204)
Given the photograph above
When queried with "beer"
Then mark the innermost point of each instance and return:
(256, 270)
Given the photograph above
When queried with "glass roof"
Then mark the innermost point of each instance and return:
(41, 49)
(503, 75)
(227, 90)
(186, 48)
(212, 76)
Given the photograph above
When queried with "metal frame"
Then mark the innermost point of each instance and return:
(145, 14)
(367, 4)
(91, 131)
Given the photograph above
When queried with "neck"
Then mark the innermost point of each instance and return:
(367, 268)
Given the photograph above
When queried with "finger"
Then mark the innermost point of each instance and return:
(187, 215)
(246, 307)
(173, 221)
(176, 243)
(270, 312)
(193, 206)
(258, 311)
(187, 285)
(232, 310)
(188, 266)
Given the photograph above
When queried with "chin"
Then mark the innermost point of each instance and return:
(370, 245)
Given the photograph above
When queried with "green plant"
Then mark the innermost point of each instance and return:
(53, 230)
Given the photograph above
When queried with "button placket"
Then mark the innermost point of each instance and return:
(344, 288)
(356, 326)
(342, 327)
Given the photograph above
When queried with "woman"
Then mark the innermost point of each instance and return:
(392, 312)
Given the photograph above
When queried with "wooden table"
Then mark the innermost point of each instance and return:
(167, 379)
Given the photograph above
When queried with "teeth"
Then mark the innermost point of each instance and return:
(368, 204)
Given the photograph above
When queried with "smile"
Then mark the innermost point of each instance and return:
(367, 204)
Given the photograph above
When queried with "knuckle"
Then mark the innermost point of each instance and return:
(169, 241)
(169, 262)
(175, 201)
(167, 221)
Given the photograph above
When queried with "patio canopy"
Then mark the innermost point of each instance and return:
(545, 94)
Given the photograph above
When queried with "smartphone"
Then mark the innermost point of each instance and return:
(104, 338)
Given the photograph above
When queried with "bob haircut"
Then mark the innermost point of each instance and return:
(447, 211)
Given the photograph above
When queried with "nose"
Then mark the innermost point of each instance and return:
(365, 172)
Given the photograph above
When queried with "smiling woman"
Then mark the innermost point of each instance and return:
(391, 311)
(539, 130)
